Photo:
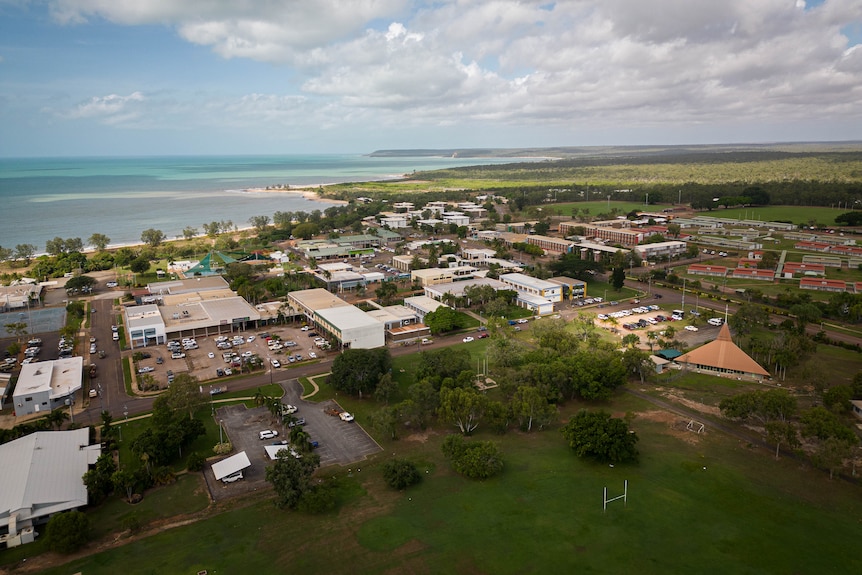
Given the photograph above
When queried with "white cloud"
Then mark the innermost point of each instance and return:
(528, 63)
(112, 109)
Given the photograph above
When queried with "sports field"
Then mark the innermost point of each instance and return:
(697, 503)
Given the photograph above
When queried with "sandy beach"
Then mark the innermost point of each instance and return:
(307, 192)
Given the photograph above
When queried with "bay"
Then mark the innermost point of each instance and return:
(44, 198)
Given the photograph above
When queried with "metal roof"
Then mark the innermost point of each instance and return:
(42, 473)
(231, 465)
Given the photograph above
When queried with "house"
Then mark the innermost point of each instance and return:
(42, 474)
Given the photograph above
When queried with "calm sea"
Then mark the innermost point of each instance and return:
(120, 197)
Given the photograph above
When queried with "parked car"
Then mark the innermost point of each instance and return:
(690, 328)
(178, 355)
(312, 355)
(483, 335)
(345, 416)
(468, 339)
(268, 434)
(275, 363)
(289, 409)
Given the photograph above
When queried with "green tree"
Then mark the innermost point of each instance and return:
(385, 420)
(140, 265)
(779, 432)
(444, 319)
(618, 278)
(212, 229)
(761, 406)
(386, 292)
(358, 371)
(189, 232)
(386, 388)
(832, 453)
(291, 477)
(81, 283)
(400, 474)
(529, 406)
(421, 404)
(99, 241)
(98, 480)
(597, 435)
(805, 313)
(747, 317)
(473, 459)
(438, 364)
(259, 222)
(5, 254)
(125, 480)
(68, 532)
(306, 231)
(462, 408)
(152, 237)
(25, 252)
(821, 423)
(183, 395)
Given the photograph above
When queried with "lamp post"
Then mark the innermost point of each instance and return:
(220, 422)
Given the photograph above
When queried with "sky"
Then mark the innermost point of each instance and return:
(180, 77)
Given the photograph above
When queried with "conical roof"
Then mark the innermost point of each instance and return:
(722, 353)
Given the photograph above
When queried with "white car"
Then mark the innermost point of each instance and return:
(268, 434)
(468, 339)
(312, 355)
(690, 328)
(112, 284)
(602, 316)
(211, 355)
(304, 328)
(275, 363)
(345, 416)
(289, 409)
(250, 339)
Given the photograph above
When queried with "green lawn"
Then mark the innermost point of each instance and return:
(699, 504)
(796, 214)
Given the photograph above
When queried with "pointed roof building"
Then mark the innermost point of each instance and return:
(722, 357)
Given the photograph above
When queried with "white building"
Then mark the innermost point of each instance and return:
(526, 284)
(46, 385)
(42, 474)
(422, 305)
(660, 249)
(351, 326)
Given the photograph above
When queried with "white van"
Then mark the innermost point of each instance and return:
(716, 321)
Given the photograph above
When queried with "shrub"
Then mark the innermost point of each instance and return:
(473, 459)
(401, 474)
(68, 532)
(195, 462)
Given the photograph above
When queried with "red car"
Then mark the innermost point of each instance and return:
(483, 335)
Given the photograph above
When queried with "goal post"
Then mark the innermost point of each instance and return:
(624, 496)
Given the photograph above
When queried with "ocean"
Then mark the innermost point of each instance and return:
(44, 198)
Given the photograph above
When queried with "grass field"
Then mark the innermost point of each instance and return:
(796, 214)
(700, 504)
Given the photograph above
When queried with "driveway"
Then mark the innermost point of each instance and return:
(340, 442)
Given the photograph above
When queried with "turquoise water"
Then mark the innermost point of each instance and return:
(44, 198)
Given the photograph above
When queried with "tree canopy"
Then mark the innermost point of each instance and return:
(597, 435)
(358, 371)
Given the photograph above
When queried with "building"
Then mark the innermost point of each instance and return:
(400, 322)
(818, 284)
(189, 314)
(434, 276)
(572, 288)
(707, 270)
(722, 357)
(19, 296)
(551, 245)
(456, 289)
(190, 285)
(667, 249)
(42, 474)
(551, 291)
(395, 221)
(352, 327)
(349, 325)
(46, 385)
(791, 269)
(422, 305)
(754, 274)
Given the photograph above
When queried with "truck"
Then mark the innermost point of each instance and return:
(332, 411)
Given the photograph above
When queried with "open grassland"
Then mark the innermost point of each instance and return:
(800, 215)
(697, 503)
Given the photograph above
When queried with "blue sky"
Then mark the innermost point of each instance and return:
(156, 77)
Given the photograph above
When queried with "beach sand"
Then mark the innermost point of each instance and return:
(307, 192)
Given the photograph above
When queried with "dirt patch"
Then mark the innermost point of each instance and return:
(419, 437)
(676, 426)
(696, 405)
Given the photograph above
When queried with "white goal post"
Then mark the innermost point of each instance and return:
(624, 496)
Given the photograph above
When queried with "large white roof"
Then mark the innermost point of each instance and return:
(42, 473)
(347, 317)
(59, 376)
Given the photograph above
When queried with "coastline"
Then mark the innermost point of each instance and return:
(305, 191)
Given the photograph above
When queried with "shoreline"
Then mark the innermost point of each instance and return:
(305, 191)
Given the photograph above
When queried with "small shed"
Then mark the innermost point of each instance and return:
(231, 466)
(669, 354)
